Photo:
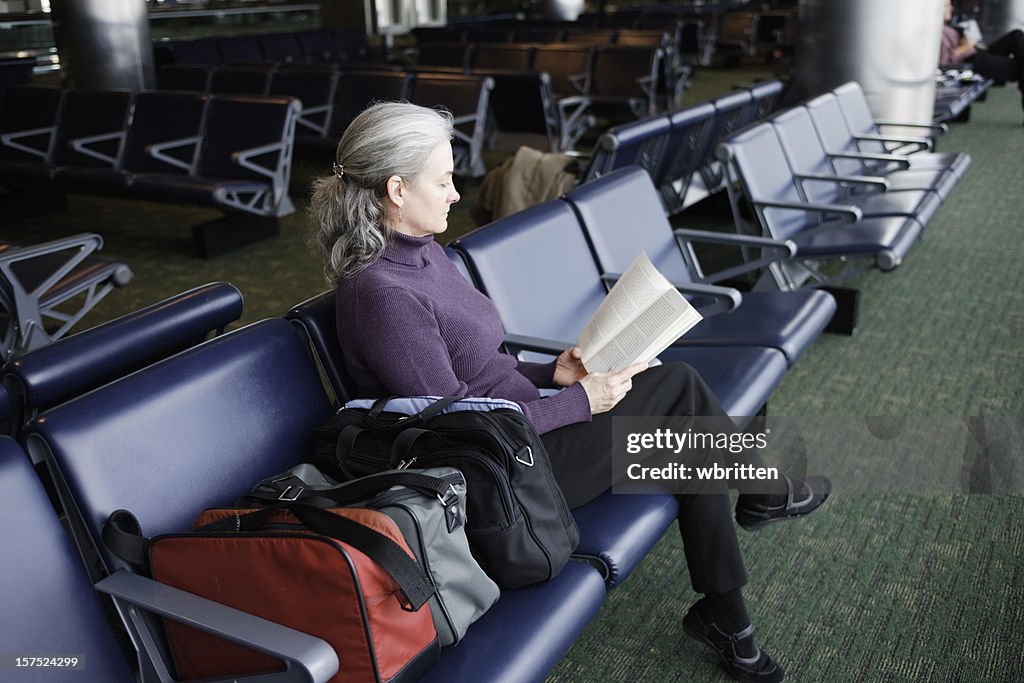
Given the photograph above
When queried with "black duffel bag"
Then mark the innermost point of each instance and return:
(519, 527)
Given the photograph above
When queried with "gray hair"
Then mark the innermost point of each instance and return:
(347, 207)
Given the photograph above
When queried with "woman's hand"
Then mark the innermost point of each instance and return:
(606, 389)
(569, 367)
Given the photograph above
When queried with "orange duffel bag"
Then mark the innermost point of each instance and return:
(345, 575)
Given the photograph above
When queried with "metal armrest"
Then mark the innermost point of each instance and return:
(922, 143)
(157, 151)
(581, 82)
(850, 213)
(86, 243)
(902, 162)
(80, 145)
(872, 181)
(242, 158)
(726, 298)
(9, 140)
(777, 250)
(935, 128)
(522, 342)
(306, 658)
(304, 120)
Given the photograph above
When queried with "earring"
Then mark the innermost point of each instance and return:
(399, 214)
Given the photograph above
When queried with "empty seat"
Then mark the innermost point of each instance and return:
(643, 143)
(443, 54)
(467, 97)
(688, 149)
(625, 80)
(357, 89)
(281, 48)
(314, 88)
(240, 49)
(522, 102)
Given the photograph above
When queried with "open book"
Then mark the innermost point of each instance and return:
(641, 316)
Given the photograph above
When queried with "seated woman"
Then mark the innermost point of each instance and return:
(410, 324)
(1002, 61)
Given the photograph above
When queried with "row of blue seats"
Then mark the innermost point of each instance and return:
(677, 149)
(171, 147)
(825, 176)
(330, 97)
(196, 429)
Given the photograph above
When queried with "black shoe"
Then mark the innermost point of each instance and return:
(758, 667)
(802, 497)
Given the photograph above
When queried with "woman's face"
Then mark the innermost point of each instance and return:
(428, 197)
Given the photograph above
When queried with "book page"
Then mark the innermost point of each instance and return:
(641, 316)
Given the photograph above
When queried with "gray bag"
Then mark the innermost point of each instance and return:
(429, 507)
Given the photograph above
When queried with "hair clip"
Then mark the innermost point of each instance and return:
(339, 170)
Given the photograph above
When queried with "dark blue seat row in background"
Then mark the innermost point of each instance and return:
(172, 147)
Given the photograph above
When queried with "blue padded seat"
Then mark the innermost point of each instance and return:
(621, 215)
(522, 637)
(282, 48)
(757, 158)
(643, 143)
(75, 364)
(92, 129)
(548, 240)
(837, 138)
(522, 102)
(862, 123)
(625, 79)
(57, 611)
(807, 156)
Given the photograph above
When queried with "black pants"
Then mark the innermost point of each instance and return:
(1003, 60)
(581, 457)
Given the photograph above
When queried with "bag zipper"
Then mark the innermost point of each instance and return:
(499, 475)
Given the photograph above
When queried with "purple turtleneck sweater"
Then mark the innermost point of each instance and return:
(411, 325)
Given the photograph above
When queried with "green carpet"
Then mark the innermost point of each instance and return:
(873, 587)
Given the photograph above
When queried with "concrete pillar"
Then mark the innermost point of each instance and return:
(104, 44)
(999, 17)
(890, 48)
(563, 10)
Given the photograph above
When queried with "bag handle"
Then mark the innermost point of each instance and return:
(294, 489)
(407, 440)
(123, 537)
(373, 417)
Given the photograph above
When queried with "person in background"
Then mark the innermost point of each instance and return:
(1002, 61)
(409, 324)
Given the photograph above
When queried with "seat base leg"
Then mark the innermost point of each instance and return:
(235, 230)
(844, 321)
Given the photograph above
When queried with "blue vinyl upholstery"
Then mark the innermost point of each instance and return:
(643, 143)
(622, 216)
(75, 364)
(51, 607)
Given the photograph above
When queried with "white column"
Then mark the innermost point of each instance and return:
(104, 44)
